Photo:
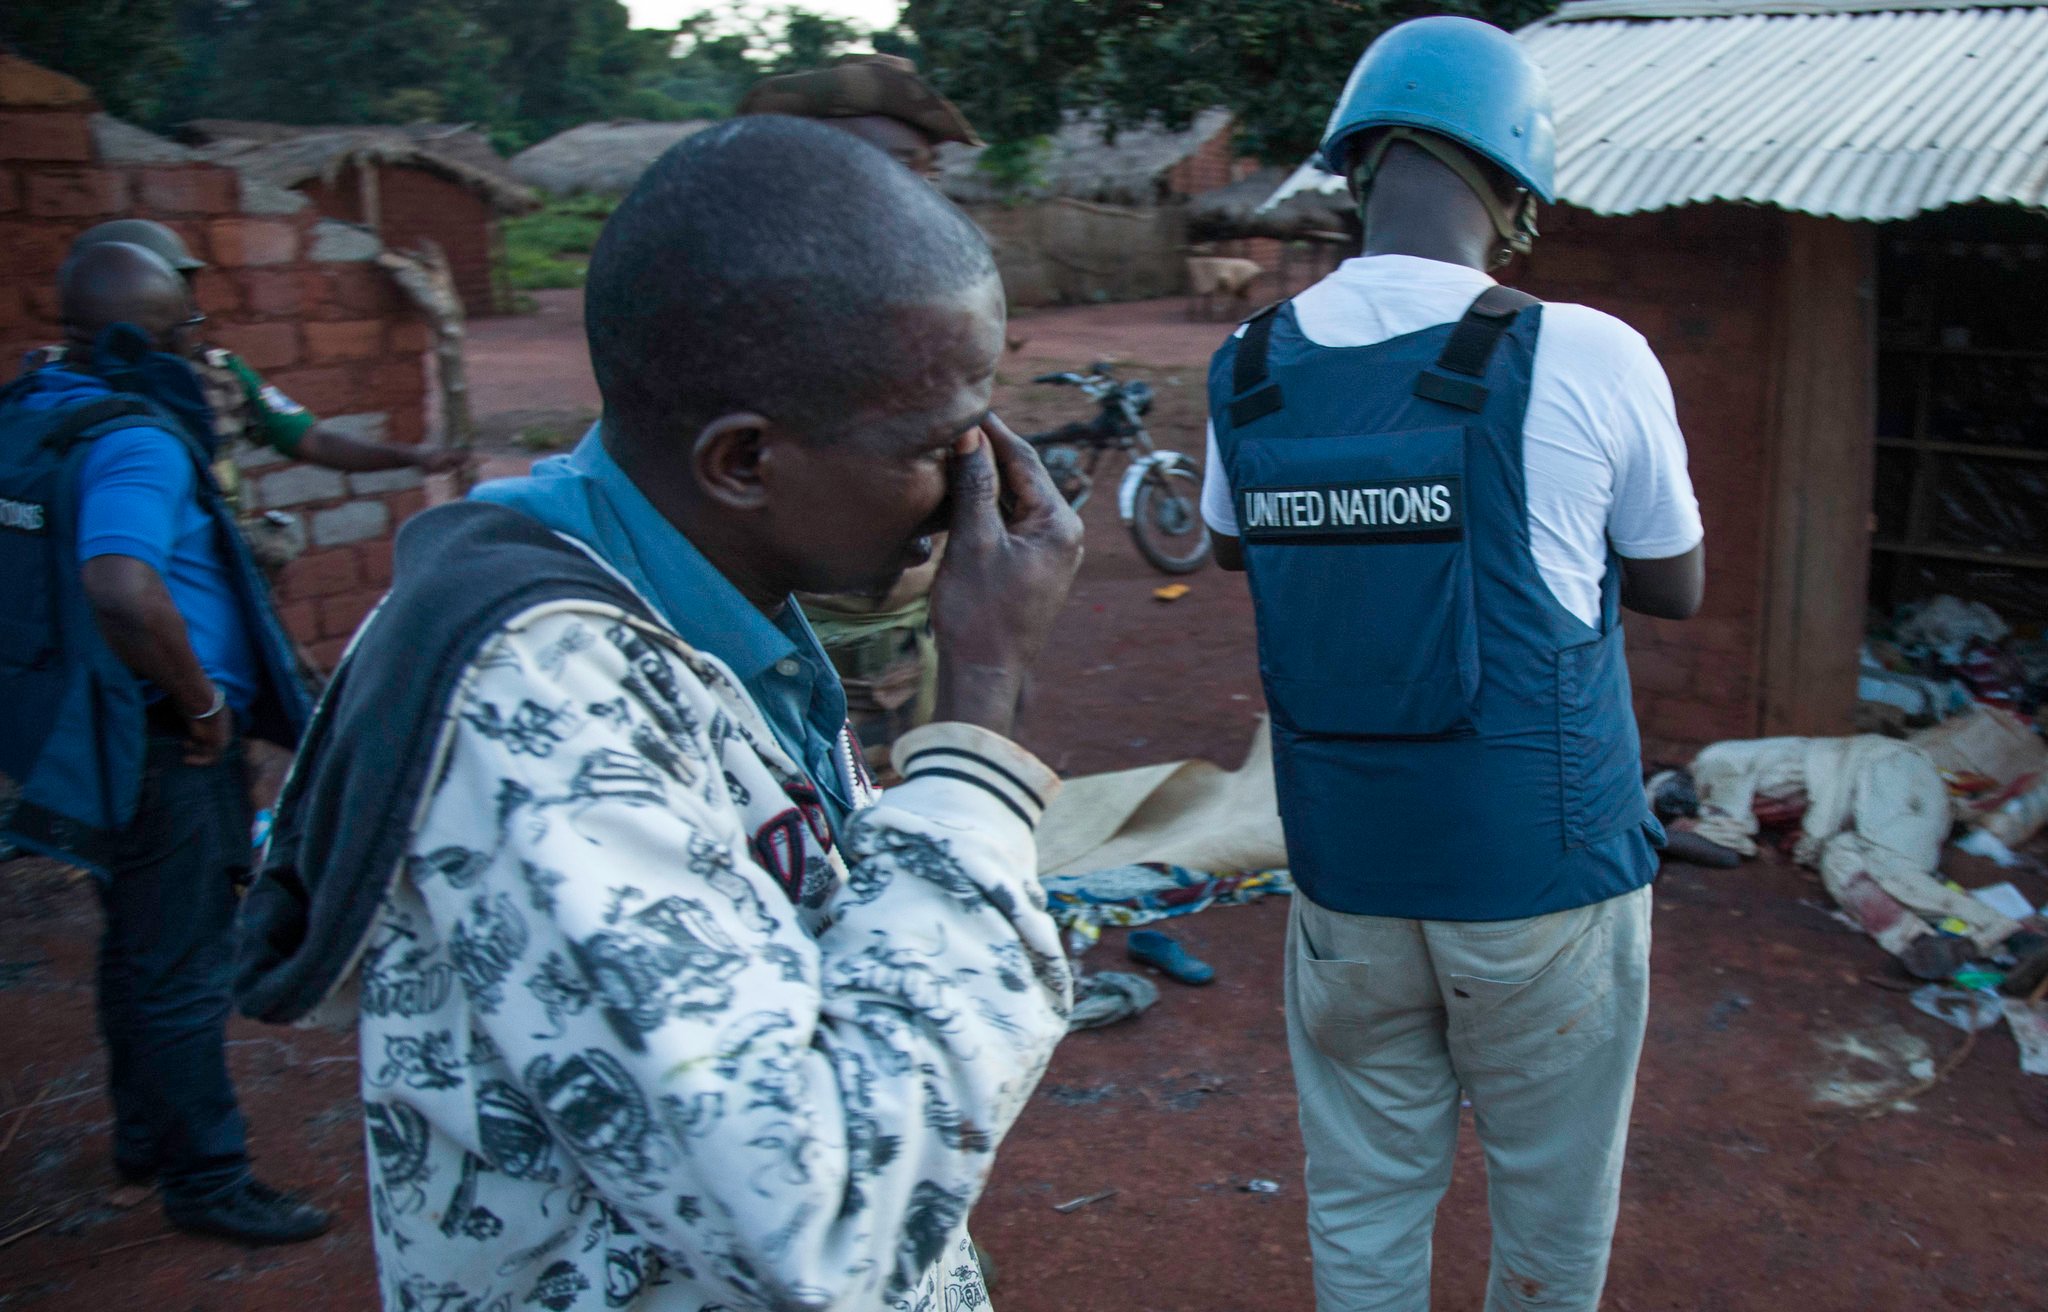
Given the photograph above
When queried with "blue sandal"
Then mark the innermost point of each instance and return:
(1154, 949)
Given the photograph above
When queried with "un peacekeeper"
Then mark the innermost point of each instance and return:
(1443, 493)
(882, 646)
(249, 412)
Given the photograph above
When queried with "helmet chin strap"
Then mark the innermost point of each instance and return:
(1514, 224)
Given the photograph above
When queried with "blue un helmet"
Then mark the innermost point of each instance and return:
(1458, 80)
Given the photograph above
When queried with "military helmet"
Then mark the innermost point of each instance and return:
(1457, 78)
(154, 237)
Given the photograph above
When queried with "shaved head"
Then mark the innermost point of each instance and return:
(114, 282)
(776, 266)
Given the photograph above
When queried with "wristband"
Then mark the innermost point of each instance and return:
(220, 703)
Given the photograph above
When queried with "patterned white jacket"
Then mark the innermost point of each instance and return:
(635, 1036)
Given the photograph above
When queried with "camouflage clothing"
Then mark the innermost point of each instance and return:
(856, 87)
(247, 412)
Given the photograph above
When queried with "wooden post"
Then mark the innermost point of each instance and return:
(427, 281)
(1822, 459)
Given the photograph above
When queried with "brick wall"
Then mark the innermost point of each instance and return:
(1215, 164)
(296, 295)
(413, 203)
(1701, 285)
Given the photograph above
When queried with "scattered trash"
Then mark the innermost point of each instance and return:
(1151, 948)
(1261, 1186)
(1966, 1009)
(1076, 1204)
(1129, 896)
(1921, 699)
(1878, 1067)
(2029, 1022)
(1977, 977)
(2022, 815)
(1171, 592)
(1979, 842)
(1108, 996)
(2005, 899)
(1945, 627)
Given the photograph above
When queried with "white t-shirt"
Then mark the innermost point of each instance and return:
(1601, 450)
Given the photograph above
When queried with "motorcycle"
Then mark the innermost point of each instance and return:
(1160, 496)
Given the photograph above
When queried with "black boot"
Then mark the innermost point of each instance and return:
(252, 1213)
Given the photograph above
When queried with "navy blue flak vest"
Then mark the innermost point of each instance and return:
(1449, 742)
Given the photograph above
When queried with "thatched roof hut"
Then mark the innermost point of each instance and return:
(292, 157)
(1234, 211)
(1083, 161)
(600, 159)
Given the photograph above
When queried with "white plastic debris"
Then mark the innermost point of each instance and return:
(1979, 843)
(2004, 899)
(1966, 1009)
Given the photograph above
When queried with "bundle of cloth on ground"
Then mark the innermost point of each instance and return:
(1877, 812)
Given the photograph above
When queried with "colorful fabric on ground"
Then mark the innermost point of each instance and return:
(1126, 896)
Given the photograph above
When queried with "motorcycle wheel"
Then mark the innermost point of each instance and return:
(1166, 521)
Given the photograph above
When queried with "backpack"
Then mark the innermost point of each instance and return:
(60, 684)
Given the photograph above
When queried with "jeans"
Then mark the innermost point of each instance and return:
(166, 962)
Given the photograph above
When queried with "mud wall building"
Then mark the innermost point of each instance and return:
(410, 185)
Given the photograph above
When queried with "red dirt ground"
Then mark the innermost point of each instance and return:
(1741, 1193)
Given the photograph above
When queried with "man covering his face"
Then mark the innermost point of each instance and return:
(663, 1006)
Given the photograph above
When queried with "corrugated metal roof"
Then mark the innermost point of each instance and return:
(1852, 115)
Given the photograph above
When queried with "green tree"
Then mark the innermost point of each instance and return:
(1015, 65)
(127, 51)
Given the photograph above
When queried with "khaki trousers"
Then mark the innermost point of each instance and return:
(1539, 1021)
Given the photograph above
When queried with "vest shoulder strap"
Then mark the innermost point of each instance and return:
(1249, 371)
(1453, 379)
(89, 419)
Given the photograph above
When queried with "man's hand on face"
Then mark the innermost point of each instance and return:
(1014, 549)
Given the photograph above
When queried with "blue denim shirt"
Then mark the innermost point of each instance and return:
(586, 495)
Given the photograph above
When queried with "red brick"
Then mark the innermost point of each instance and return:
(263, 345)
(58, 136)
(340, 615)
(197, 190)
(411, 336)
(404, 505)
(10, 190)
(216, 292)
(245, 241)
(33, 247)
(45, 303)
(301, 619)
(321, 574)
(398, 382)
(76, 193)
(327, 390)
(362, 291)
(1659, 669)
(1695, 722)
(355, 339)
(15, 315)
(408, 422)
(375, 561)
(276, 292)
(326, 654)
